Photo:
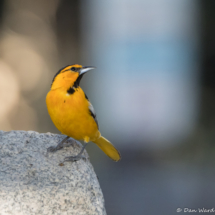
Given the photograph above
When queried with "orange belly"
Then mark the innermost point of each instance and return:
(70, 114)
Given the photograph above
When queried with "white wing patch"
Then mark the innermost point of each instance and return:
(93, 113)
(92, 108)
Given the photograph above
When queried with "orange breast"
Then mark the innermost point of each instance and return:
(70, 114)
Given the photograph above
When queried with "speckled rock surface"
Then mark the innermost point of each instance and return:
(33, 182)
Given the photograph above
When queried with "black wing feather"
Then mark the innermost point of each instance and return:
(93, 113)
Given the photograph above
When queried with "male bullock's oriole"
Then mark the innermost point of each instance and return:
(73, 114)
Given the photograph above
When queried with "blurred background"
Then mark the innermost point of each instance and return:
(153, 90)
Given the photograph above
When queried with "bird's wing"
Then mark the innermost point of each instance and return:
(93, 113)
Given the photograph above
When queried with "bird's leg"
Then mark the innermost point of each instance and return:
(78, 156)
(59, 146)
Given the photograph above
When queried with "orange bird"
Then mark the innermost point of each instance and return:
(73, 114)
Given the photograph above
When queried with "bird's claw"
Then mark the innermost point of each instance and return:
(58, 147)
(74, 158)
(53, 149)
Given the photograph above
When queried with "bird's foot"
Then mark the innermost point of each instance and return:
(78, 156)
(74, 158)
(61, 145)
(54, 148)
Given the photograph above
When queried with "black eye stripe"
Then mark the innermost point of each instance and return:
(61, 71)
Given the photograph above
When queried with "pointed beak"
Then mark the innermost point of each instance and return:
(85, 69)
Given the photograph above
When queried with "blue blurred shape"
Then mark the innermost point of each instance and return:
(146, 52)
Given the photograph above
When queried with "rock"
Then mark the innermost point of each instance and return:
(34, 182)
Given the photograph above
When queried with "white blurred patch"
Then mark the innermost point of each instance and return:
(92, 109)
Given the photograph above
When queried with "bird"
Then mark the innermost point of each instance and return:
(73, 114)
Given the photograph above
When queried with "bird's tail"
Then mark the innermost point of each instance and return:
(108, 148)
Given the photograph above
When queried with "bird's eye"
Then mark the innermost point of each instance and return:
(73, 69)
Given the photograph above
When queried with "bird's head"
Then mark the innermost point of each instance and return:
(69, 76)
